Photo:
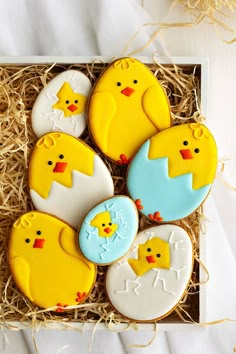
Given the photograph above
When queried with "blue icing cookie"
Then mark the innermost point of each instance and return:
(108, 230)
(154, 191)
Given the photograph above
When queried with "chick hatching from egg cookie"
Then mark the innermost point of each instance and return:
(127, 106)
(149, 281)
(61, 105)
(46, 264)
(67, 178)
(108, 230)
(172, 173)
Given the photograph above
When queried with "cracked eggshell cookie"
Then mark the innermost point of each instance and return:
(172, 173)
(108, 230)
(67, 178)
(46, 264)
(148, 283)
(127, 106)
(61, 105)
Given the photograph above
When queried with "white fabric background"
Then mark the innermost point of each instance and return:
(102, 27)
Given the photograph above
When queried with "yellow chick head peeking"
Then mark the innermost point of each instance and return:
(70, 102)
(154, 253)
(190, 148)
(54, 158)
(103, 223)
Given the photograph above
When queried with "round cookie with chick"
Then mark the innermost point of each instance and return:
(172, 173)
(46, 263)
(127, 106)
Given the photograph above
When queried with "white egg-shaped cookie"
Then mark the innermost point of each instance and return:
(150, 280)
(108, 230)
(67, 178)
(61, 105)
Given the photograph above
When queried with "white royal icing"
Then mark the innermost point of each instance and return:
(72, 204)
(155, 293)
(47, 119)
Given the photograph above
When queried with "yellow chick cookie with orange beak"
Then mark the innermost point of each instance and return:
(127, 106)
(103, 223)
(154, 253)
(46, 264)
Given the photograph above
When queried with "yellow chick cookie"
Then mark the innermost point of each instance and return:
(54, 158)
(127, 106)
(154, 253)
(46, 264)
(103, 223)
(70, 102)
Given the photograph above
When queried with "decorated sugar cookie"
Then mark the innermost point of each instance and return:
(149, 282)
(67, 178)
(172, 173)
(127, 106)
(46, 264)
(108, 230)
(61, 105)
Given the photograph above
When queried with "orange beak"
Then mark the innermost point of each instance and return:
(151, 259)
(72, 108)
(60, 167)
(128, 91)
(107, 230)
(186, 154)
(39, 243)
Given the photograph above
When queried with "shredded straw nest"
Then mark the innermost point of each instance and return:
(19, 87)
(221, 13)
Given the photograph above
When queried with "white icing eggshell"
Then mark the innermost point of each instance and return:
(46, 118)
(154, 294)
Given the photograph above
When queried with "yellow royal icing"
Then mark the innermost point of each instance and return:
(104, 224)
(127, 107)
(189, 148)
(54, 158)
(69, 101)
(46, 264)
(154, 253)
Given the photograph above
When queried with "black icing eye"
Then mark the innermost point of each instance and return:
(67, 101)
(197, 150)
(27, 240)
(61, 156)
(50, 162)
(110, 223)
(38, 232)
(103, 225)
(135, 81)
(76, 101)
(149, 249)
(158, 255)
(118, 83)
(185, 142)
